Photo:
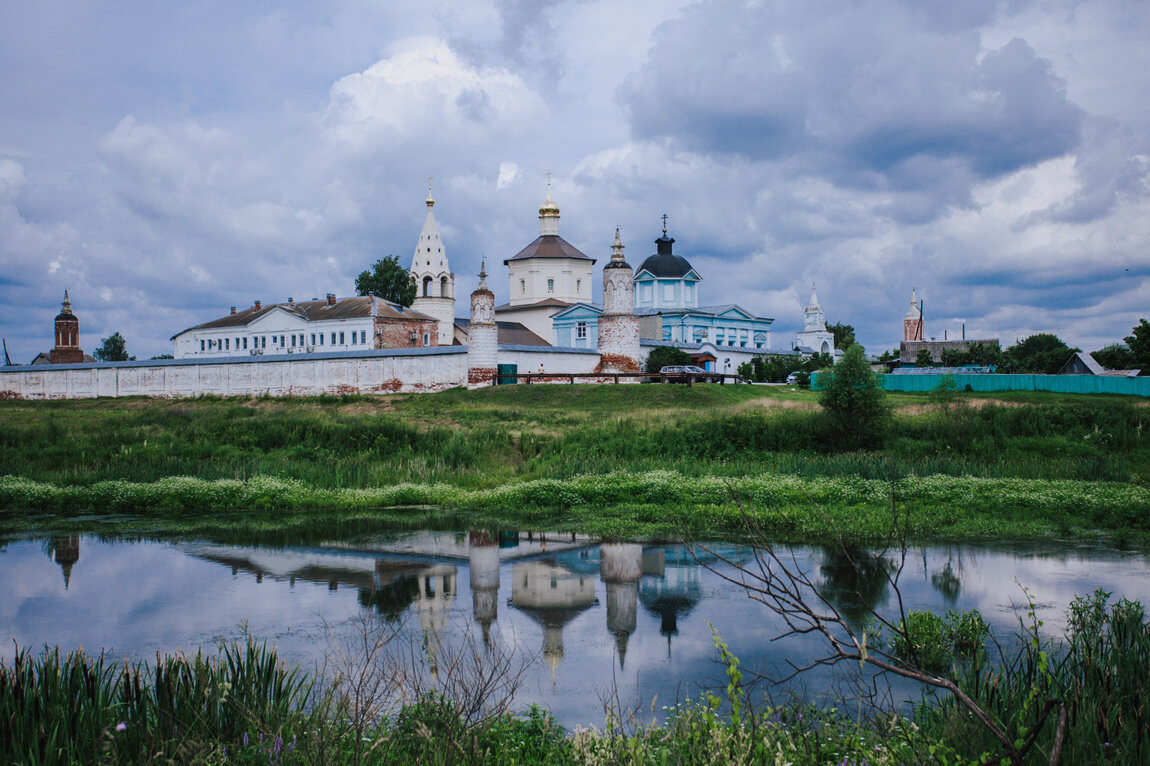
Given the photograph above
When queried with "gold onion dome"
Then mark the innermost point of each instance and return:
(549, 208)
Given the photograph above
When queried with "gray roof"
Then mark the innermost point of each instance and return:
(314, 311)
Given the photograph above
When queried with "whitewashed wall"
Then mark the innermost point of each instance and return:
(365, 372)
(528, 358)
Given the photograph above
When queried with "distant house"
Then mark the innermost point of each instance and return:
(1082, 363)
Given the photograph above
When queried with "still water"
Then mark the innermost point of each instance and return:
(589, 620)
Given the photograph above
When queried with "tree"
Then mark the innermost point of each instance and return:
(981, 354)
(1041, 354)
(113, 349)
(1139, 343)
(387, 280)
(924, 358)
(844, 335)
(662, 356)
(854, 401)
(1116, 356)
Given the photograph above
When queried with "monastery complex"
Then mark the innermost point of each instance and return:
(367, 344)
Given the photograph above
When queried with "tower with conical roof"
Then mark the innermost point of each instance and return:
(912, 328)
(482, 335)
(434, 282)
(618, 325)
(621, 569)
(67, 349)
(814, 335)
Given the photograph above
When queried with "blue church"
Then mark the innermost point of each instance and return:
(667, 304)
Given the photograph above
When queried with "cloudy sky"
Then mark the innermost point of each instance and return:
(164, 161)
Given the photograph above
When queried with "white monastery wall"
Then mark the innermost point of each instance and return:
(528, 358)
(364, 372)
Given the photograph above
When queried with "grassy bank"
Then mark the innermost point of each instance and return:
(605, 459)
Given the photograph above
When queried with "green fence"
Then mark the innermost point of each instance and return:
(1062, 384)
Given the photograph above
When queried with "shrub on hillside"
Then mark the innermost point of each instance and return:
(854, 402)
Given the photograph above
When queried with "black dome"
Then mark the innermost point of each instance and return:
(665, 264)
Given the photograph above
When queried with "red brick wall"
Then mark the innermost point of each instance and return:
(396, 333)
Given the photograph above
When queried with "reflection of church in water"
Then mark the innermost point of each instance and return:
(554, 580)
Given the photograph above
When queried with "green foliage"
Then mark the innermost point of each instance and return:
(1115, 357)
(944, 392)
(854, 402)
(928, 642)
(387, 280)
(976, 354)
(113, 349)
(80, 709)
(661, 356)
(844, 335)
(924, 358)
(1043, 354)
(1098, 671)
(1138, 342)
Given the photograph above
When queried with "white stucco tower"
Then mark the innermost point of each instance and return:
(482, 335)
(434, 282)
(618, 325)
(814, 334)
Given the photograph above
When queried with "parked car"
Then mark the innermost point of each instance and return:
(792, 379)
(684, 373)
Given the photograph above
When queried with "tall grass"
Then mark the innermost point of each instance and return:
(66, 709)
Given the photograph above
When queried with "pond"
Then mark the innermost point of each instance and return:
(586, 620)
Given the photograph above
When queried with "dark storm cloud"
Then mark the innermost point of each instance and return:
(875, 100)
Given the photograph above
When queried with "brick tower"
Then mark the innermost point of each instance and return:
(912, 328)
(67, 349)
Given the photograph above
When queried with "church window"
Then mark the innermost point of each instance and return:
(666, 332)
(321, 339)
(201, 345)
(578, 286)
(313, 338)
(353, 338)
(362, 336)
(550, 285)
(333, 339)
(293, 341)
(581, 330)
(646, 293)
(228, 344)
(427, 339)
(523, 287)
(341, 339)
(668, 292)
(245, 343)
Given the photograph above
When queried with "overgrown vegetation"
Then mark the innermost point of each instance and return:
(587, 457)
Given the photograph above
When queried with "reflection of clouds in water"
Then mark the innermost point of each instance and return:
(578, 612)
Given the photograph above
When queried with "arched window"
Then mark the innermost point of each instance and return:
(443, 288)
(427, 287)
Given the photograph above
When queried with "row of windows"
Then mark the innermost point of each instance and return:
(723, 336)
(295, 340)
(550, 286)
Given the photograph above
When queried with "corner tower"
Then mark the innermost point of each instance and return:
(67, 349)
(434, 282)
(618, 325)
(482, 335)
